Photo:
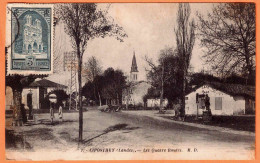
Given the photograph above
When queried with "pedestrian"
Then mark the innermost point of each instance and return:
(207, 104)
(60, 111)
(52, 112)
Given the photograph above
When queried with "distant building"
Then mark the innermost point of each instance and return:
(225, 99)
(136, 89)
(32, 36)
(155, 102)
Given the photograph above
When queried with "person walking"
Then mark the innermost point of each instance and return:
(52, 112)
(60, 111)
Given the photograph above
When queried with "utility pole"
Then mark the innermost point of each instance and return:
(70, 58)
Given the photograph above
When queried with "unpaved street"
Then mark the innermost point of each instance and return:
(120, 135)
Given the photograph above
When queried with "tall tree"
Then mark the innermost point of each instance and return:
(228, 33)
(85, 22)
(114, 83)
(185, 38)
(164, 77)
(92, 69)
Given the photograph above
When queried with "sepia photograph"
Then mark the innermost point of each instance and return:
(130, 81)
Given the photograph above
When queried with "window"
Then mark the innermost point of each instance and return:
(186, 98)
(218, 103)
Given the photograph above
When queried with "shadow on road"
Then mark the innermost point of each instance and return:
(48, 122)
(16, 141)
(121, 126)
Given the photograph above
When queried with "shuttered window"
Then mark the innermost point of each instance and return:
(218, 103)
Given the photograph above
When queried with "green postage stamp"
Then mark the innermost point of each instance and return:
(29, 38)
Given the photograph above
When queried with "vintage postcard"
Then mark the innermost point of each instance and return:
(130, 81)
(29, 36)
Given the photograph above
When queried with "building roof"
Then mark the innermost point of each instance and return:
(231, 89)
(46, 83)
(134, 64)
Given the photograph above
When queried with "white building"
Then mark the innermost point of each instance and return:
(225, 99)
(136, 89)
(37, 91)
(155, 102)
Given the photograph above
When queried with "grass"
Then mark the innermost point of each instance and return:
(241, 123)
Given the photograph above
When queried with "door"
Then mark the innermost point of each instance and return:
(29, 104)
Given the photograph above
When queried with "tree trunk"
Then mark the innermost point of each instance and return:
(162, 90)
(182, 111)
(80, 95)
(117, 99)
(127, 99)
(100, 102)
(17, 112)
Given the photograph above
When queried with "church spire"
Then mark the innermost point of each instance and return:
(134, 65)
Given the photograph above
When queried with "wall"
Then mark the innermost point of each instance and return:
(8, 97)
(35, 97)
(156, 102)
(230, 105)
(138, 91)
(250, 106)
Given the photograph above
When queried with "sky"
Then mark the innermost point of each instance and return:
(150, 28)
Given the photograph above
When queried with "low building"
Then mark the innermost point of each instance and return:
(225, 99)
(36, 92)
(155, 102)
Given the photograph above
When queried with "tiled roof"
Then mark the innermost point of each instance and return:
(234, 89)
(46, 83)
(231, 89)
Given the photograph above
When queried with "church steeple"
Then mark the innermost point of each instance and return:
(134, 65)
(134, 70)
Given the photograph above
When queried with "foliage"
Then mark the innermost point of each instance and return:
(114, 83)
(109, 85)
(228, 33)
(84, 22)
(61, 96)
(151, 93)
(199, 78)
(166, 74)
(92, 68)
(88, 90)
(17, 83)
(185, 38)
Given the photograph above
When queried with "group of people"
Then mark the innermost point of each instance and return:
(60, 112)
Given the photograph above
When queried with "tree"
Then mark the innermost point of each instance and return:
(114, 83)
(151, 93)
(92, 68)
(84, 22)
(185, 38)
(61, 96)
(17, 83)
(228, 33)
(164, 77)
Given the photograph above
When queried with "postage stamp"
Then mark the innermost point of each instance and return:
(30, 39)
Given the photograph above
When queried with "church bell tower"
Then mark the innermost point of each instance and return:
(134, 70)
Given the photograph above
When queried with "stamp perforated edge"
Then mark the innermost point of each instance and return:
(8, 40)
